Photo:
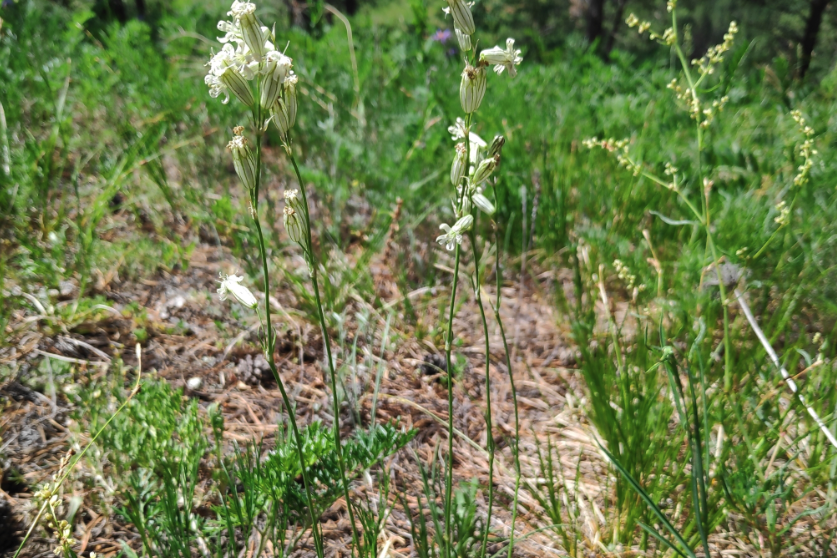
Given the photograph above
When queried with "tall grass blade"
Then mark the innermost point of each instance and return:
(644, 495)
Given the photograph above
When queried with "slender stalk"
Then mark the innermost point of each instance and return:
(488, 420)
(269, 347)
(516, 444)
(706, 219)
(327, 342)
(449, 472)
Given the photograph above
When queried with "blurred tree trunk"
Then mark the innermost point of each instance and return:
(812, 30)
(595, 20)
(617, 20)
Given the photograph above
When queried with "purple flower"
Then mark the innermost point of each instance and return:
(442, 36)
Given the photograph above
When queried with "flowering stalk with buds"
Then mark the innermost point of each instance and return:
(474, 162)
(688, 90)
(249, 67)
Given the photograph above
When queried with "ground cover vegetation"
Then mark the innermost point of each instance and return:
(607, 328)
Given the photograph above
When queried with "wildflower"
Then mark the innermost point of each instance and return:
(294, 217)
(453, 235)
(276, 69)
(484, 170)
(457, 169)
(293, 224)
(459, 131)
(231, 285)
(472, 88)
(503, 59)
(483, 203)
(252, 32)
(225, 75)
(496, 146)
(281, 116)
(441, 36)
(464, 40)
(462, 17)
(290, 98)
(243, 159)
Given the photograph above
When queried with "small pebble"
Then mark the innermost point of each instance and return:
(194, 384)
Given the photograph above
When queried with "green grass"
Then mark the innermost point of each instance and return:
(94, 110)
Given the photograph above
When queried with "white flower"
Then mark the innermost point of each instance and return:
(458, 131)
(503, 59)
(484, 170)
(464, 40)
(294, 217)
(244, 160)
(457, 169)
(281, 116)
(462, 17)
(453, 235)
(232, 32)
(225, 75)
(290, 97)
(483, 203)
(231, 285)
(275, 70)
(251, 31)
(472, 88)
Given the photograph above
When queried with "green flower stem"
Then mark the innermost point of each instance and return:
(327, 343)
(706, 220)
(268, 346)
(448, 339)
(516, 444)
(488, 420)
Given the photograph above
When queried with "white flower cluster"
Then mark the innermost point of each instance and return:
(472, 165)
(468, 173)
(248, 54)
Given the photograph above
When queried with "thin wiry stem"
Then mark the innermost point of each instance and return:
(516, 444)
(488, 420)
(449, 472)
(327, 342)
(268, 345)
(706, 220)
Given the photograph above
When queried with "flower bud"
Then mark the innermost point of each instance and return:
(472, 88)
(281, 116)
(462, 17)
(235, 82)
(231, 285)
(293, 224)
(294, 217)
(496, 146)
(290, 98)
(243, 159)
(251, 30)
(483, 203)
(460, 164)
(484, 170)
(464, 40)
(465, 208)
(276, 68)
